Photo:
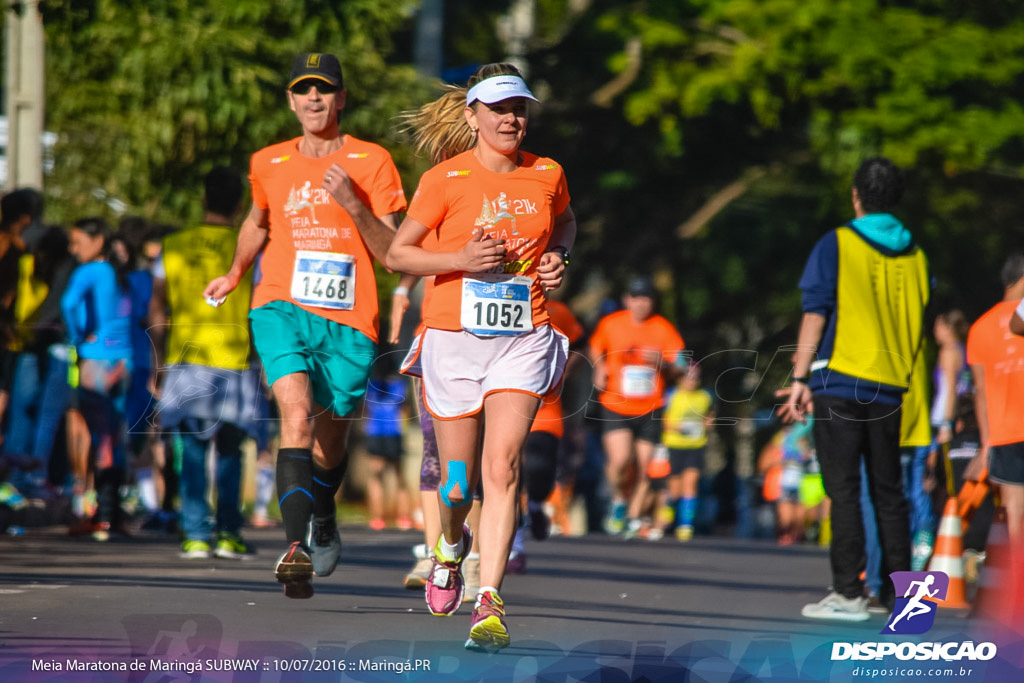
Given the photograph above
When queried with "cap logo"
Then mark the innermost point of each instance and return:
(313, 61)
(495, 88)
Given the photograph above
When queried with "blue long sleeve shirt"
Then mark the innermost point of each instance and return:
(97, 309)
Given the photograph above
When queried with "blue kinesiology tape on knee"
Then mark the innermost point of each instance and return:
(457, 476)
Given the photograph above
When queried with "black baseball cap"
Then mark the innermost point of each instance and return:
(320, 65)
(641, 286)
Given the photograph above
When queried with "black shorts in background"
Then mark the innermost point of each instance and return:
(388, 447)
(646, 427)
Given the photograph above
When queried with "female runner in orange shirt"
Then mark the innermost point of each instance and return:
(502, 232)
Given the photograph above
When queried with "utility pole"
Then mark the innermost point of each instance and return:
(427, 47)
(25, 94)
(516, 29)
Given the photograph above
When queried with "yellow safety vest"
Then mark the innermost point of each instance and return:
(30, 296)
(880, 303)
(915, 420)
(199, 333)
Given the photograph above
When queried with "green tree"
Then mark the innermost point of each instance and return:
(713, 141)
(147, 95)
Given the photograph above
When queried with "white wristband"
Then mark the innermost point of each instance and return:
(400, 291)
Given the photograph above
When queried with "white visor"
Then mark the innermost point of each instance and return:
(498, 88)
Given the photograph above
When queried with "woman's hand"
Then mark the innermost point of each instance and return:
(550, 270)
(481, 254)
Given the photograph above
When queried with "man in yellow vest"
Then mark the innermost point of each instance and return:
(865, 287)
(207, 391)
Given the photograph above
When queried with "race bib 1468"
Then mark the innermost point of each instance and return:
(324, 279)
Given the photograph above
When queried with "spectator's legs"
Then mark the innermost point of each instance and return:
(839, 441)
(195, 509)
(229, 478)
(885, 482)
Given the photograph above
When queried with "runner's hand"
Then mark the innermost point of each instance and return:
(399, 305)
(550, 270)
(481, 254)
(798, 402)
(219, 287)
(977, 468)
(338, 183)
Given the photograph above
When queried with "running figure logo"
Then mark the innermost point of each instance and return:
(301, 199)
(914, 613)
(493, 212)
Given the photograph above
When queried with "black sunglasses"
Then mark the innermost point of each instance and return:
(322, 87)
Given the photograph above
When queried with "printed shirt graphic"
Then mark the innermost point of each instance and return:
(304, 217)
(459, 195)
(623, 343)
(915, 608)
(991, 345)
(549, 415)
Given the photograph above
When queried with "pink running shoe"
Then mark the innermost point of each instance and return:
(488, 631)
(445, 587)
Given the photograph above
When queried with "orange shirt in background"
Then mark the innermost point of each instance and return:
(459, 196)
(549, 415)
(305, 218)
(991, 345)
(635, 384)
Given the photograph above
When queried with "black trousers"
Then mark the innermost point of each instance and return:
(845, 431)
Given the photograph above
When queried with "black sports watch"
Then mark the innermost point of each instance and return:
(563, 251)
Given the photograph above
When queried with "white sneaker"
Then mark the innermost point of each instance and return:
(417, 578)
(471, 575)
(835, 606)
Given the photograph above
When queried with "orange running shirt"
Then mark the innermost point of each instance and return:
(991, 345)
(635, 387)
(305, 218)
(459, 195)
(549, 415)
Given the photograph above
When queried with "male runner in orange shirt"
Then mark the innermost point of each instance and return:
(325, 205)
(634, 352)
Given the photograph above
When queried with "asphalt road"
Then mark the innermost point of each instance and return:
(588, 609)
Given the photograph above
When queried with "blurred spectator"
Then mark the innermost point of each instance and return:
(20, 213)
(208, 392)
(96, 309)
(41, 392)
(385, 418)
(864, 290)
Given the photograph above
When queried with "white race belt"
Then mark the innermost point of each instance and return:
(496, 304)
(324, 279)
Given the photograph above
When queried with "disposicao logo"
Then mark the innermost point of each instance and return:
(914, 613)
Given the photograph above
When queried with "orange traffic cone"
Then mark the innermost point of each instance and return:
(990, 601)
(947, 557)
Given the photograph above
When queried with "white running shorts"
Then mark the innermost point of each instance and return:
(459, 369)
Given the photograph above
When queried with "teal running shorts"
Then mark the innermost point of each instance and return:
(336, 358)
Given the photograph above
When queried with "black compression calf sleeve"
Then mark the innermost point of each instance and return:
(294, 490)
(325, 486)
